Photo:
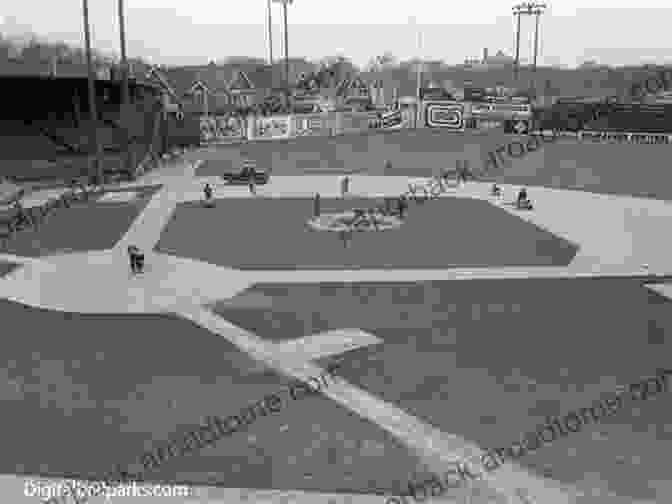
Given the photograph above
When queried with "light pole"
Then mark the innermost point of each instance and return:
(92, 93)
(528, 9)
(284, 8)
(418, 84)
(270, 35)
(517, 62)
(537, 13)
(124, 80)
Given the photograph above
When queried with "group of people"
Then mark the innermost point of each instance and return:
(523, 202)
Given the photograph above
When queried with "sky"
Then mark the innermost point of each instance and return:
(179, 32)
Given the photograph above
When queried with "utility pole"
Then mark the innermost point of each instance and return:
(270, 35)
(516, 66)
(125, 94)
(92, 94)
(537, 13)
(419, 72)
(284, 8)
(418, 84)
(528, 9)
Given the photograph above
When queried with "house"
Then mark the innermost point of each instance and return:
(500, 59)
(356, 93)
(221, 89)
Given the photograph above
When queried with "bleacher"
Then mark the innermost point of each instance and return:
(18, 141)
(49, 136)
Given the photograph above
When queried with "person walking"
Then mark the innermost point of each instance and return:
(316, 206)
(522, 196)
(253, 181)
(136, 259)
(346, 238)
(207, 192)
(345, 186)
(403, 206)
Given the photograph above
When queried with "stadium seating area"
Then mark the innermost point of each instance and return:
(52, 136)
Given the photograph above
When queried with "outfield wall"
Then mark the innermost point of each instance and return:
(449, 116)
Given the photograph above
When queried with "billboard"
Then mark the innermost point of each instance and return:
(355, 122)
(502, 111)
(395, 119)
(444, 115)
(517, 127)
(271, 128)
(312, 125)
(215, 129)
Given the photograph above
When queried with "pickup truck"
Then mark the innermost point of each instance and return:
(243, 176)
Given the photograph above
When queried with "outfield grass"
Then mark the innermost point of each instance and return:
(449, 232)
(490, 360)
(411, 152)
(627, 169)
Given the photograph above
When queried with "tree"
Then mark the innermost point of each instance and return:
(339, 66)
(381, 62)
(243, 60)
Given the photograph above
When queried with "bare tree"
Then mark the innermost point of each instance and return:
(339, 67)
(382, 62)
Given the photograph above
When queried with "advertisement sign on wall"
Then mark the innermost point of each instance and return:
(501, 110)
(517, 127)
(221, 128)
(354, 122)
(393, 120)
(487, 124)
(272, 127)
(444, 115)
(619, 136)
(312, 125)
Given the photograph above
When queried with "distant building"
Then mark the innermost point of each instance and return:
(498, 60)
(592, 64)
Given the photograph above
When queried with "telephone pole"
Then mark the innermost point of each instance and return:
(528, 9)
(516, 66)
(98, 162)
(270, 35)
(284, 10)
(125, 94)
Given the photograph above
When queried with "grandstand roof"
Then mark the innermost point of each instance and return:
(74, 79)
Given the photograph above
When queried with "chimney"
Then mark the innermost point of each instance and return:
(485, 55)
